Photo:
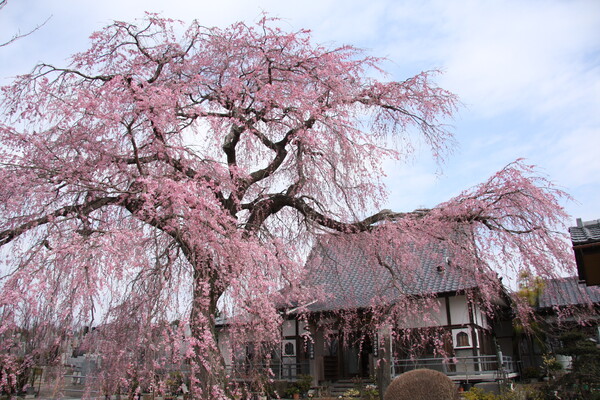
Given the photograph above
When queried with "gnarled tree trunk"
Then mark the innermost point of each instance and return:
(208, 376)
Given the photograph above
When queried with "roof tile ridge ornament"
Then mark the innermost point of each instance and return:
(442, 267)
(588, 230)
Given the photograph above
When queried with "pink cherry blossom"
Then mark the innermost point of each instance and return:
(166, 174)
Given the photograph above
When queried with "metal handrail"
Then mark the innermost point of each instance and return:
(471, 365)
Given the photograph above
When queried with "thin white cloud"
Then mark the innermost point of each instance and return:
(500, 56)
(517, 55)
(577, 156)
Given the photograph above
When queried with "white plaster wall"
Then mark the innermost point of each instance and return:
(459, 311)
(223, 338)
(434, 315)
(480, 317)
(289, 328)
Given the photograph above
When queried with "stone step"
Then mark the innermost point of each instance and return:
(341, 386)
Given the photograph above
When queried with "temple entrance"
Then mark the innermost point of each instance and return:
(355, 357)
(347, 356)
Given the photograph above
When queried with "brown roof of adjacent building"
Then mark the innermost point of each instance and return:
(585, 232)
(569, 291)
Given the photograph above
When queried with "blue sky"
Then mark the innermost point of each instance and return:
(527, 73)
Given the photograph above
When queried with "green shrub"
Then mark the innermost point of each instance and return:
(351, 393)
(524, 392)
(476, 393)
(532, 393)
(531, 373)
(174, 382)
(422, 384)
(291, 391)
(370, 392)
(584, 377)
(304, 383)
(301, 386)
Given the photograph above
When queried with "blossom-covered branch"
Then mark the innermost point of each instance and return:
(173, 175)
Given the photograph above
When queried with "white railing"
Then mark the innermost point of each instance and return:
(470, 365)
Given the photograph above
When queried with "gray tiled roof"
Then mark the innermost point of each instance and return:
(585, 232)
(351, 276)
(568, 292)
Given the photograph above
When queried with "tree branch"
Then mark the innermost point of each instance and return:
(9, 235)
(231, 140)
(280, 150)
(261, 210)
(104, 78)
(19, 35)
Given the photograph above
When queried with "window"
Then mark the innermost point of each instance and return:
(288, 349)
(462, 339)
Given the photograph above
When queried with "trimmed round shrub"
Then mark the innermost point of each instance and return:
(422, 384)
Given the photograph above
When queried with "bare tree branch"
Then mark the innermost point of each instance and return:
(20, 35)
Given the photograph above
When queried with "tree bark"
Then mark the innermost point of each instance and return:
(208, 372)
(384, 368)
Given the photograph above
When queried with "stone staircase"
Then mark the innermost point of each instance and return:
(338, 388)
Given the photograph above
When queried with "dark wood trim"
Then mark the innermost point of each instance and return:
(586, 245)
(448, 314)
(473, 333)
